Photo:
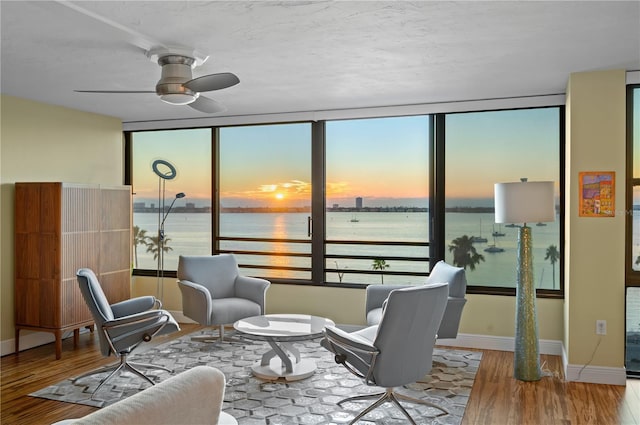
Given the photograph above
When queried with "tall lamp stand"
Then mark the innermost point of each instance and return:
(522, 202)
(160, 268)
(526, 365)
(161, 241)
(165, 171)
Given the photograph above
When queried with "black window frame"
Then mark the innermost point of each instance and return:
(632, 277)
(440, 145)
(437, 139)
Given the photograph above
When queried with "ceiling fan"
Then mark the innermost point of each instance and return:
(177, 85)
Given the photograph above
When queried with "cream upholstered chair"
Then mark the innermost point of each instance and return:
(123, 326)
(442, 272)
(193, 397)
(396, 352)
(215, 294)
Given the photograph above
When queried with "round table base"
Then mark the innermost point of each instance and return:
(275, 370)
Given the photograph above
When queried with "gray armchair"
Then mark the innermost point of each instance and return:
(396, 352)
(215, 294)
(442, 272)
(123, 326)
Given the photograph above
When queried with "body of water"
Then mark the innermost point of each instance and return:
(191, 234)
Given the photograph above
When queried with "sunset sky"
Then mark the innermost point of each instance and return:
(385, 160)
(484, 148)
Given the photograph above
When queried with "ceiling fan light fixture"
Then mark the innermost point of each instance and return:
(179, 98)
(177, 85)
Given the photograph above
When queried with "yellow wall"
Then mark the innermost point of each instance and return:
(41, 142)
(594, 253)
(483, 315)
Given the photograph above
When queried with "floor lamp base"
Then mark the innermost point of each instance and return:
(526, 362)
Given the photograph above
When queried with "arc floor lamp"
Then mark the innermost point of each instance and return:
(165, 171)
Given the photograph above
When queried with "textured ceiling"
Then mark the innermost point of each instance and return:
(308, 56)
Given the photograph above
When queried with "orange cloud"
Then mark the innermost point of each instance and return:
(294, 189)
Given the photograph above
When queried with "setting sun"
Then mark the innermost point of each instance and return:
(279, 196)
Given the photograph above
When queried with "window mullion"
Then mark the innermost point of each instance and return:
(318, 205)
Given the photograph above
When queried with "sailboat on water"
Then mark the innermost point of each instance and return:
(479, 239)
(493, 248)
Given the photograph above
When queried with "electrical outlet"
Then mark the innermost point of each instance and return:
(601, 327)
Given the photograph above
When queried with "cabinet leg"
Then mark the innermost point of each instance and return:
(58, 335)
(17, 340)
(76, 337)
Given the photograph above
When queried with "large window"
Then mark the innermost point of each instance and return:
(484, 148)
(635, 179)
(265, 198)
(632, 358)
(187, 226)
(377, 197)
(349, 202)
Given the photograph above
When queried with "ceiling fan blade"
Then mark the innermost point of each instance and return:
(206, 105)
(212, 82)
(114, 91)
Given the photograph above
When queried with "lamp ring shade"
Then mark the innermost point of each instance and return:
(169, 175)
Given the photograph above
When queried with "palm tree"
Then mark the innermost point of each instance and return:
(464, 253)
(340, 274)
(553, 255)
(380, 264)
(154, 247)
(139, 238)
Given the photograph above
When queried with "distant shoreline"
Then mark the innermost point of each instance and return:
(267, 210)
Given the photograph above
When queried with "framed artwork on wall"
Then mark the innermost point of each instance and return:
(597, 193)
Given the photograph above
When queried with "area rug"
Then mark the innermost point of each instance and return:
(308, 401)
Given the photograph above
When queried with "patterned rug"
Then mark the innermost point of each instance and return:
(308, 401)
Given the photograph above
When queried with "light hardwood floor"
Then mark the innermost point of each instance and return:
(496, 398)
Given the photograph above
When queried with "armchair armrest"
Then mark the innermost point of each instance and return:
(347, 340)
(135, 318)
(196, 302)
(451, 318)
(377, 294)
(134, 305)
(148, 322)
(355, 353)
(252, 288)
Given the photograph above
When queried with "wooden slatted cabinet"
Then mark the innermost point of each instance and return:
(59, 228)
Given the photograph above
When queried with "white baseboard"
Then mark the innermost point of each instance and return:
(27, 340)
(593, 374)
(499, 343)
(596, 374)
(578, 373)
(481, 342)
(32, 339)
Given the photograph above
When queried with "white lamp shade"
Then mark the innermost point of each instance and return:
(524, 202)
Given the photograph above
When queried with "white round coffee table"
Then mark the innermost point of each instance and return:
(281, 331)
